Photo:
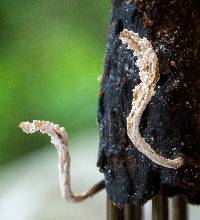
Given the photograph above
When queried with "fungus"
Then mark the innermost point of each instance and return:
(59, 139)
(147, 62)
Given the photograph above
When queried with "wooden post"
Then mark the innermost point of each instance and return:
(178, 208)
(128, 212)
(132, 212)
(160, 207)
(113, 212)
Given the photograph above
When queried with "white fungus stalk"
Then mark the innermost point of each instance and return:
(59, 139)
(147, 62)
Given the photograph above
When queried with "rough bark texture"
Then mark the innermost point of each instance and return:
(171, 121)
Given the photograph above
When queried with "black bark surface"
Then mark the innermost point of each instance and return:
(171, 121)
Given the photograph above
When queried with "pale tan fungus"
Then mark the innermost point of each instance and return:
(59, 139)
(173, 64)
(147, 63)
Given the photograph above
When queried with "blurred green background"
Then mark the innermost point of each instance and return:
(51, 53)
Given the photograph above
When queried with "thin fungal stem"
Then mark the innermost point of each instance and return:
(59, 139)
(147, 63)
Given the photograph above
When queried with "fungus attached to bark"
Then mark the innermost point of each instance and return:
(149, 101)
(147, 62)
(59, 139)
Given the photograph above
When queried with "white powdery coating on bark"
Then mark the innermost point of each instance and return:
(147, 63)
(59, 139)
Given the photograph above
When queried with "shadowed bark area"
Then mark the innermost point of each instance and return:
(171, 121)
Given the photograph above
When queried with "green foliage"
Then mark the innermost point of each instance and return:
(51, 53)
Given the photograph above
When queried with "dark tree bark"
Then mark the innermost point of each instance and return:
(171, 121)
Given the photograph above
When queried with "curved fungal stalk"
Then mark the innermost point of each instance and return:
(59, 139)
(147, 63)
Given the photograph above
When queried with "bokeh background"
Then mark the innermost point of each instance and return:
(51, 54)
